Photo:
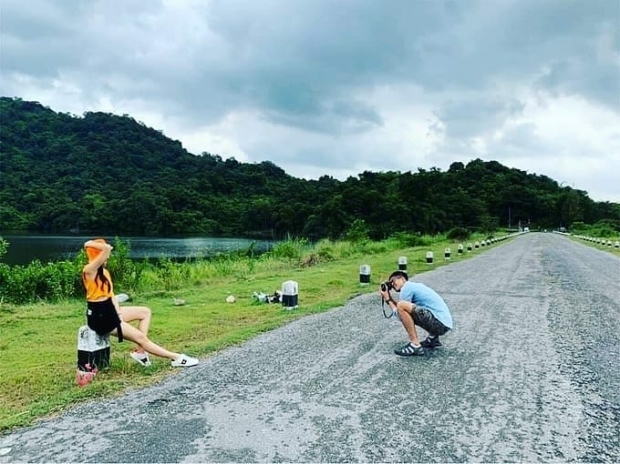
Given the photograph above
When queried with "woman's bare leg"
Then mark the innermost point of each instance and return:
(142, 314)
(138, 337)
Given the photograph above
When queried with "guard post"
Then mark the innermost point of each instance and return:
(290, 294)
(364, 274)
(93, 350)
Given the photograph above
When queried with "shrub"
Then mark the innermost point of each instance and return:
(4, 245)
(310, 259)
(407, 240)
(172, 275)
(37, 281)
(119, 264)
(357, 232)
(603, 232)
(292, 249)
(325, 250)
(458, 233)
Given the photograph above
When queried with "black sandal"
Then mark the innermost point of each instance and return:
(410, 350)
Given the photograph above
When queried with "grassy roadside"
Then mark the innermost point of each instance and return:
(38, 342)
(607, 244)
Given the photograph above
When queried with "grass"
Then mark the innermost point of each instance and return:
(593, 242)
(38, 344)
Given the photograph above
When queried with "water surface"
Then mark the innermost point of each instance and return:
(24, 248)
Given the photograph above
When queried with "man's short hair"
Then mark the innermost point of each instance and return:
(399, 273)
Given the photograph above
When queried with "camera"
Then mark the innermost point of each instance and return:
(385, 286)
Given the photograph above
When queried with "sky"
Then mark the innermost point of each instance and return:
(339, 87)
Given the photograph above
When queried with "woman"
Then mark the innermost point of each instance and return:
(105, 316)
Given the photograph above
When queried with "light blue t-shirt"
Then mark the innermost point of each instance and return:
(421, 295)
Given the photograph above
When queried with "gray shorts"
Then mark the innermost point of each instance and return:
(423, 317)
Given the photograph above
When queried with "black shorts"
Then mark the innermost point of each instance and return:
(424, 318)
(102, 317)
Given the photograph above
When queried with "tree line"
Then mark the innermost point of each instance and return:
(100, 172)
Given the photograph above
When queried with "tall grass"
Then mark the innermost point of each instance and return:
(58, 281)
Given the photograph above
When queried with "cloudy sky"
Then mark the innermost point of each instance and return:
(337, 87)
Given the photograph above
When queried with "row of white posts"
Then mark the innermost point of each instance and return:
(402, 260)
(599, 241)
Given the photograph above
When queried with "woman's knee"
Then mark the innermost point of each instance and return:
(146, 312)
(135, 313)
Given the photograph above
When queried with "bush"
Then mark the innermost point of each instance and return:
(5, 275)
(325, 250)
(406, 240)
(172, 275)
(292, 249)
(578, 226)
(603, 232)
(4, 245)
(37, 281)
(119, 264)
(358, 232)
(458, 233)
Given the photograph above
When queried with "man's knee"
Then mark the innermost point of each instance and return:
(404, 307)
(404, 314)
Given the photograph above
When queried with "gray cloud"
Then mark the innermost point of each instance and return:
(302, 58)
(473, 116)
(315, 67)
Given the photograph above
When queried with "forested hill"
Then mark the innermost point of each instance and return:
(60, 172)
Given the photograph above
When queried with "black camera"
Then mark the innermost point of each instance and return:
(385, 286)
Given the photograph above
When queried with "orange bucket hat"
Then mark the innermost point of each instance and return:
(91, 252)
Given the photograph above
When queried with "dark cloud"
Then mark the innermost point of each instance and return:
(315, 67)
(298, 61)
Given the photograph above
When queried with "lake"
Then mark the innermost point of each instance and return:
(24, 248)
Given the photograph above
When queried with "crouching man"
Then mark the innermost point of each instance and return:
(420, 306)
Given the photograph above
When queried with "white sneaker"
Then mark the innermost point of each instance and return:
(121, 297)
(184, 361)
(141, 358)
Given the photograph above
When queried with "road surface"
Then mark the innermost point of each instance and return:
(530, 373)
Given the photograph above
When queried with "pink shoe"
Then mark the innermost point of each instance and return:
(83, 378)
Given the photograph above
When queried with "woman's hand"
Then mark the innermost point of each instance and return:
(103, 246)
(98, 259)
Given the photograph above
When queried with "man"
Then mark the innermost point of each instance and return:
(421, 306)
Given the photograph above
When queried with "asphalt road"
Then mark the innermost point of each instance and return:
(530, 373)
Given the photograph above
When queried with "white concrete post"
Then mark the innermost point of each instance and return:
(290, 294)
(364, 274)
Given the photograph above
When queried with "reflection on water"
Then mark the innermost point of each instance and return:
(24, 248)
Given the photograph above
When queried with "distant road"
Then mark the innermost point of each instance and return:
(530, 373)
